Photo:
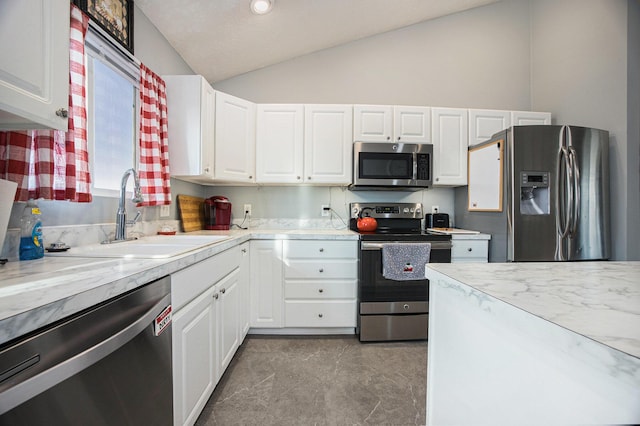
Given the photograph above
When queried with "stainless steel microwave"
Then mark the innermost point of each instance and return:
(392, 166)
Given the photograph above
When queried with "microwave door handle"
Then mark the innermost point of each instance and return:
(414, 157)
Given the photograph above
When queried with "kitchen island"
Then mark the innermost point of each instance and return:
(534, 343)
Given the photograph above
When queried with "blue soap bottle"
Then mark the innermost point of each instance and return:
(31, 244)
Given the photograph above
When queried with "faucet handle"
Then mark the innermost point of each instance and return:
(135, 219)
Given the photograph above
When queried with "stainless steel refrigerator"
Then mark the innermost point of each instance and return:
(555, 196)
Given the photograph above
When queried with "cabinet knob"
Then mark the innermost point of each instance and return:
(62, 112)
(321, 270)
(223, 291)
(321, 250)
(250, 177)
(320, 291)
(437, 179)
(469, 249)
(319, 315)
(244, 250)
(298, 177)
(388, 138)
(308, 177)
(206, 170)
(216, 295)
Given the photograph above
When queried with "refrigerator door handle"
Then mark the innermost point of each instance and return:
(573, 156)
(563, 221)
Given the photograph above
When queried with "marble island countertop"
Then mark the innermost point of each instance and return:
(598, 300)
(38, 292)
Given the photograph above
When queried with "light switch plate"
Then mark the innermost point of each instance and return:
(165, 211)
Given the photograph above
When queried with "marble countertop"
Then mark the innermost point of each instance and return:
(599, 300)
(38, 292)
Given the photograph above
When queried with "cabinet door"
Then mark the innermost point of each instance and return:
(235, 139)
(244, 280)
(194, 358)
(266, 284)
(529, 118)
(449, 138)
(34, 64)
(412, 124)
(229, 323)
(328, 144)
(372, 123)
(484, 123)
(191, 126)
(279, 143)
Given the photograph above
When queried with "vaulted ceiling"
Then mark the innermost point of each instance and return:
(223, 38)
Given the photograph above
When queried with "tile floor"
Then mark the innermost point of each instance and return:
(324, 380)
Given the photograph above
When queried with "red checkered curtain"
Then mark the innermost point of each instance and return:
(54, 165)
(153, 167)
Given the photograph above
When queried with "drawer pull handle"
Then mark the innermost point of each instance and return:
(320, 291)
(321, 270)
(319, 315)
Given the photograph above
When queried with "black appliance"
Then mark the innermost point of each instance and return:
(391, 166)
(436, 220)
(390, 310)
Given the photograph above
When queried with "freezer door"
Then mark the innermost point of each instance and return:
(589, 233)
(532, 153)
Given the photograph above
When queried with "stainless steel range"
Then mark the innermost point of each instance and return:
(388, 309)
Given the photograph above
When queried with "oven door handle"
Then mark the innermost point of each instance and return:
(435, 245)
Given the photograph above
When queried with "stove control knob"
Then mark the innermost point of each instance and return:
(411, 210)
(418, 210)
(406, 210)
(355, 212)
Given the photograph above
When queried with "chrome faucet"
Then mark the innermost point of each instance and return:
(121, 216)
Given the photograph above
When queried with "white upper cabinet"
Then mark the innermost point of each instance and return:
(327, 144)
(484, 123)
(384, 123)
(235, 129)
(279, 143)
(34, 64)
(191, 114)
(529, 118)
(372, 123)
(449, 138)
(412, 124)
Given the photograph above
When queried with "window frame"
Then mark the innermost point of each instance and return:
(99, 46)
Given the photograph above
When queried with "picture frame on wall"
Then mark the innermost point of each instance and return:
(113, 16)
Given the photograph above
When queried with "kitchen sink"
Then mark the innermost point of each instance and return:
(154, 247)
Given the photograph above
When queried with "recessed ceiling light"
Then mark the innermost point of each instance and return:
(260, 7)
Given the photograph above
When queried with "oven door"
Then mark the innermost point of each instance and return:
(374, 287)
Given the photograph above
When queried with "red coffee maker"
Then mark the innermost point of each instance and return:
(217, 213)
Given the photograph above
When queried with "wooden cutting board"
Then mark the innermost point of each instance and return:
(191, 212)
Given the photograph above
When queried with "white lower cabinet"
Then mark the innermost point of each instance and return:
(469, 250)
(266, 284)
(206, 329)
(320, 283)
(244, 281)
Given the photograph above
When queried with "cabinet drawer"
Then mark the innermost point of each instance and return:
(331, 269)
(320, 314)
(466, 250)
(188, 283)
(320, 249)
(343, 289)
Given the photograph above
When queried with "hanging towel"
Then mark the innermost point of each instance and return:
(405, 261)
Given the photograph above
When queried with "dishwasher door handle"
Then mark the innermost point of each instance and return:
(33, 386)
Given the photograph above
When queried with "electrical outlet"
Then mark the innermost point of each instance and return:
(165, 211)
(435, 209)
(247, 209)
(325, 210)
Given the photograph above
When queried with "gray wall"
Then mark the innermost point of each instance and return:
(585, 70)
(478, 58)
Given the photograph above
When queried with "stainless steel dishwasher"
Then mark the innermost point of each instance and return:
(108, 365)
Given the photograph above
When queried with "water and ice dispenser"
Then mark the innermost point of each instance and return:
(534, 193)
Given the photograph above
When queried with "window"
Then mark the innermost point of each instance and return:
(112, 113)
